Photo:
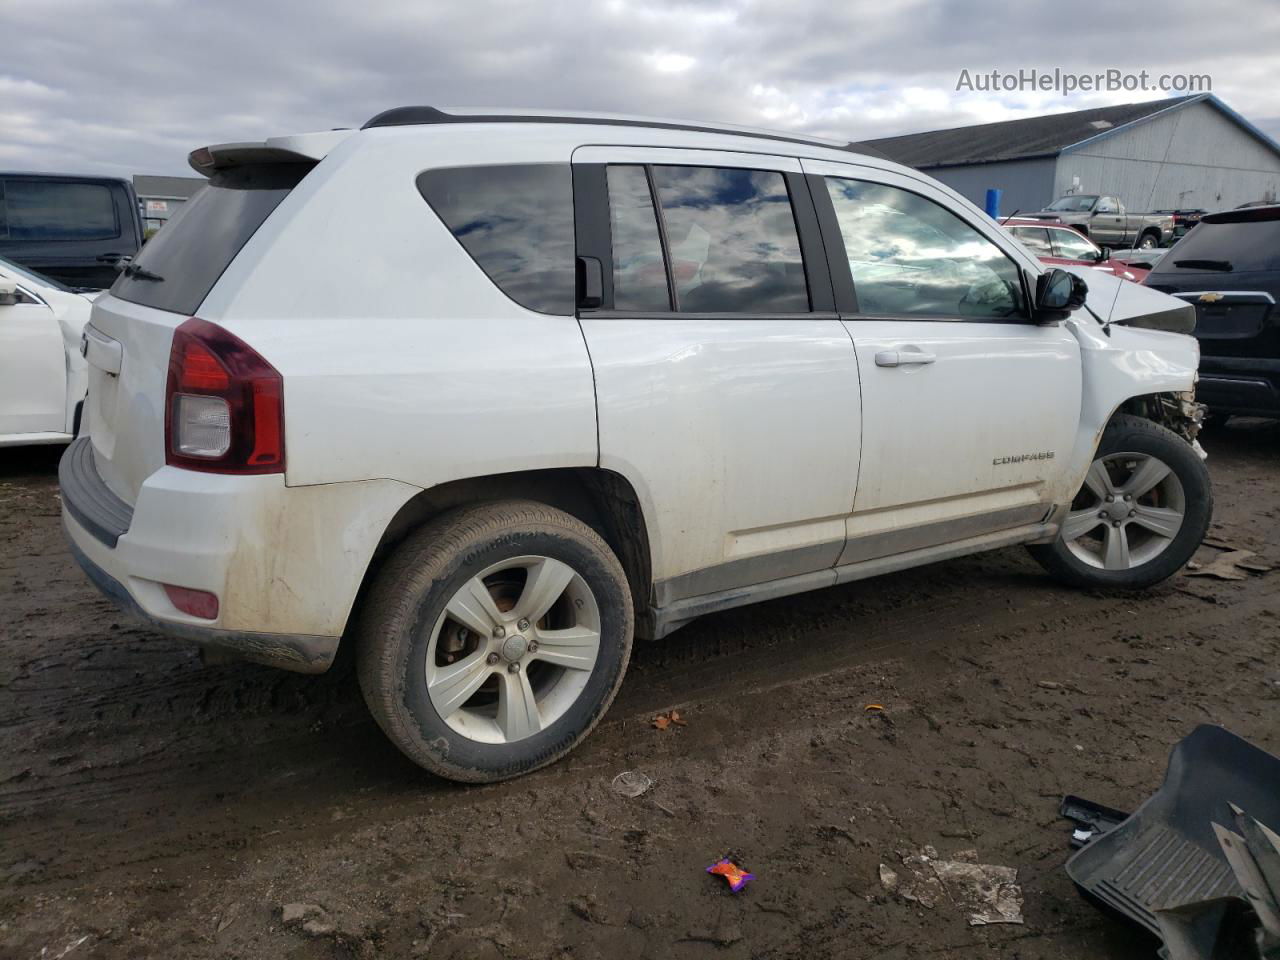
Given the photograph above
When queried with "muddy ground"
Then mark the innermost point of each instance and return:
(150, 806)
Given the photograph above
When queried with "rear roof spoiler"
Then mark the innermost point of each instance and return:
(301, 148)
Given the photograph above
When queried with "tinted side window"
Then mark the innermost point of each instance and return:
(639, 273)
(41, 210)
(516, 221)
(911, 257)
(179, 265)
(1035, 239)
(732, 240)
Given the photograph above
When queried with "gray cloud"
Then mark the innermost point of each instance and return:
(132, 86)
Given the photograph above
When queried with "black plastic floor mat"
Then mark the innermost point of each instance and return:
(1166, 854)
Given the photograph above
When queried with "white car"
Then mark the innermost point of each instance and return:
(42, 374)
(487, 395)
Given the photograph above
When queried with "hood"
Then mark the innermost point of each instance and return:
(1115, 300)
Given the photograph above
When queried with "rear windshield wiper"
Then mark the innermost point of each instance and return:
(1223, 265)
(135, 272)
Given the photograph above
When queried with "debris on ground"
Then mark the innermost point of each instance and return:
(311, 918)
(1232, 565)
(631, 783)
(986, 892)
(665, 721)
(736, 877)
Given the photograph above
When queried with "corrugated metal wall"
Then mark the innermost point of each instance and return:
(1191, 157)
(1027, 184)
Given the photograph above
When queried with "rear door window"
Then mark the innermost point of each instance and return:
(732, 241)
(912, 257)
(179, 266)
(1035, 239)
(50, 210)
(516, 222)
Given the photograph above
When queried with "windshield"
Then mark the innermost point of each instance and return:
(1083, 201)
(8, 266)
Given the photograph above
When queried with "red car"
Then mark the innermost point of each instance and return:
(1059, 244)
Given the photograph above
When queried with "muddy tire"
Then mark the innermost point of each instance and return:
(493, 640)
(1142, 512)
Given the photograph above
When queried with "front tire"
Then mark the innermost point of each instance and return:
(494, 639)
(1143, 510)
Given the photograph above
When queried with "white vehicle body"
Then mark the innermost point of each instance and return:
(42, 374)
(741, 457)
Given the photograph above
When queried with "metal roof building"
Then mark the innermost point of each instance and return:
(1184, 152)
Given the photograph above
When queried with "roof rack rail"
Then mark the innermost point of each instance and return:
(413, 116)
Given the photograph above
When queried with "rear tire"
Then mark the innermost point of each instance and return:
(493, 640)
(1149, 241)
(1160, 509)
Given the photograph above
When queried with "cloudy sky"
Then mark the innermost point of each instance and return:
(130, 86)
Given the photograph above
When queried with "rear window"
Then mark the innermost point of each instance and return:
(178, 267)
(516, 221)
(43, 210)
(1247, 246)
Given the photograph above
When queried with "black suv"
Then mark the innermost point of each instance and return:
(1228, 267)
(75, 229)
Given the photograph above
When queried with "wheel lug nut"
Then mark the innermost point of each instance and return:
(523, 624)
(1110, 498)
(1115, 523)
(491, 659)
(499, 632)
(533, 647)
(513, 668)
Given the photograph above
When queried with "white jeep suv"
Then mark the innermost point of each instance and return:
(488, 395)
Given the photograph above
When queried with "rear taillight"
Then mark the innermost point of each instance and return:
(224, 404)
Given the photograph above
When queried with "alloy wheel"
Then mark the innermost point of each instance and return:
(513, 649)
(1129, 511)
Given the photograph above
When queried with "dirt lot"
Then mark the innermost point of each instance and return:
(150, 806)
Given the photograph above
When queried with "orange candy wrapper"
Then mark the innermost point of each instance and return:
(734, 874)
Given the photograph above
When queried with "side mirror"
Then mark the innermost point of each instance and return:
(1104, 254)
(8, 292)
(1058, 293)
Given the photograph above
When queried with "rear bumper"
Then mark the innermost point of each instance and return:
(1240, 385)
(284, 562)
(301, 654)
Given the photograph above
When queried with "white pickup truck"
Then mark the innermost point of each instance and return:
(489, 395)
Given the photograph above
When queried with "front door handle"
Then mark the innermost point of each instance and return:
(902, 358)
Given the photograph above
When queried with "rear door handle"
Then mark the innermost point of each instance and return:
(903, 358)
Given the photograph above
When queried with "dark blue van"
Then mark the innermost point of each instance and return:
(72, 228)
